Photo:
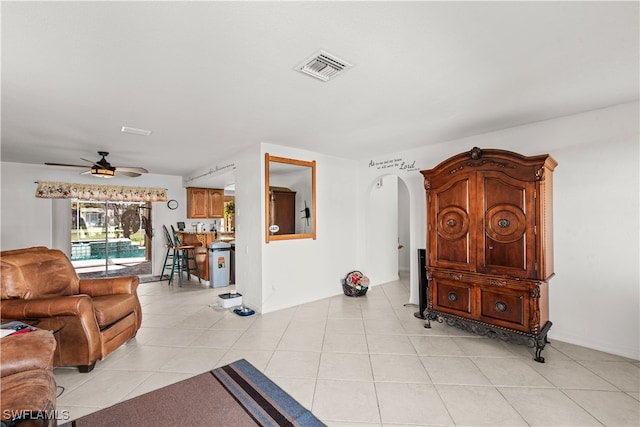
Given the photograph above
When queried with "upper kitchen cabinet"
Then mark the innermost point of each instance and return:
(216, 203)
(205, 202)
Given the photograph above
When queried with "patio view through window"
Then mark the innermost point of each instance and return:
(110, 238)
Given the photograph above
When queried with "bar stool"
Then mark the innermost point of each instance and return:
(183, 256)
(168, 256)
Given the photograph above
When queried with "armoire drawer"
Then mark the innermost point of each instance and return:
(453, 297)
(504, 307)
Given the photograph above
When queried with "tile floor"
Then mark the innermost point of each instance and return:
(364, 361)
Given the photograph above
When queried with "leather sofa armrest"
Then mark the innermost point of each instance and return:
(109, 286)
(71, 305)
(25, 352)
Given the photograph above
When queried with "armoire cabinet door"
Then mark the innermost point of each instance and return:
(450, 224)
(506, 233)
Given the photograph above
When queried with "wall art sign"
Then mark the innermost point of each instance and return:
(398, 164)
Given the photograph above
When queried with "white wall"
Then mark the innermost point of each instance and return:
(595, 296)
(297, 271)
(249, 235)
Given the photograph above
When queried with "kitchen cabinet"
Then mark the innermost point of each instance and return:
(490, 244)
(205, 202)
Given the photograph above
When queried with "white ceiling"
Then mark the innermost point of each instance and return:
(213, 78)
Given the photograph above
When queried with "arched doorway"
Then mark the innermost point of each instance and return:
(388, 248)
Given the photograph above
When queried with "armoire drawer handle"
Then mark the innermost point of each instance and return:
(501, 307)
(452, 297)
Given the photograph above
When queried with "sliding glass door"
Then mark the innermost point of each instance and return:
(111, 238)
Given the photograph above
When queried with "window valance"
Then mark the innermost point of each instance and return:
(112, 193)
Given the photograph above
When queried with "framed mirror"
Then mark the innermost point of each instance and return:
(290, 198)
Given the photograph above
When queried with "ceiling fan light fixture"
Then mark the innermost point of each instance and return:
(103, 172)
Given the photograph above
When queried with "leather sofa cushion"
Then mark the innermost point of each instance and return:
(111, 308)
(36, 273)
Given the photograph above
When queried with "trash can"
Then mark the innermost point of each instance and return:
(219, 260)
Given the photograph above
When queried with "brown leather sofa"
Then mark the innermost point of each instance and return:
(28, 387)
(91, 317)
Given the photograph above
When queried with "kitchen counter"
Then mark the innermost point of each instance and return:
(201, 240)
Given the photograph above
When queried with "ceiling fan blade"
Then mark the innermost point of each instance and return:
(127, 173)
(131, 169)
(92, 162)
(64, 164)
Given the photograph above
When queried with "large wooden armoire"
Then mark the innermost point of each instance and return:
(490, 244)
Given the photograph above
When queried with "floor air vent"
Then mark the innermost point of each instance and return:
(323, 66)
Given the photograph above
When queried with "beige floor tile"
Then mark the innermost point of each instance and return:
(411, 404)
(610, 408)
(73, 412)
(193, 360)
(258, 358)
(155, 381)
(435, 346)
(398, 368)
(343, 343)
(478, 406)
(159, 320)
(344, 311)
(453, 370)
(482, 346)
(390, 344)
(346, 401)
(345, 366)
(69, 378)
(174, 337)
(301, 340)
(510, 372)
(105, 389)
(547, 407)
(217, 338)
(143, 358)
(576, 352)
(296, 364)
(345, 326)
(387, 326)
(624, 375)
(258, 340)
(572, 375)
(232, 321)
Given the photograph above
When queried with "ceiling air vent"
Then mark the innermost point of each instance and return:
(323, 66)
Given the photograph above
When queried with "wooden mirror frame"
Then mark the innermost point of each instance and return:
(267, 198)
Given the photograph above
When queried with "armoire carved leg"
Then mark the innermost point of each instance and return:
(541, 342)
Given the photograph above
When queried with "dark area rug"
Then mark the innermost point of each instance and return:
(232, 395)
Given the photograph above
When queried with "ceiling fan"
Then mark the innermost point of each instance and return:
(103, 169)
